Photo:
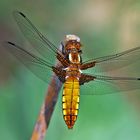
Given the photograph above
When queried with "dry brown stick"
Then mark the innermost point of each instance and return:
(47, 108)
(40, 126)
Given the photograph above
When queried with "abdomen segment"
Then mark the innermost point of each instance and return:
(70, 101)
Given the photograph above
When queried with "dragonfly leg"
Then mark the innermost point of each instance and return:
(63, 60)
(87, 65)
(85, 78)
(60, 73)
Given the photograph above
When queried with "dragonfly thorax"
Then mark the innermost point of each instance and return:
(72, 48)
(74, 58)
(73, 71)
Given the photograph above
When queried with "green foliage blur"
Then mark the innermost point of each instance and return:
(105, 27)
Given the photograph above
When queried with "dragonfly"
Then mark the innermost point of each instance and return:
(71, 71)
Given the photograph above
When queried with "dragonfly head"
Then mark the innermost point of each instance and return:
(72, 42)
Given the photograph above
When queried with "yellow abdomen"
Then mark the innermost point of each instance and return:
(70, 101)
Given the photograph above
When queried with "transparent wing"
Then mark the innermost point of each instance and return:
(38, 66)
(116, 61)
(40, 43)
(108, 85)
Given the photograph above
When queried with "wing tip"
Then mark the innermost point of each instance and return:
(10, 43)
(18, 12)
(22, 14)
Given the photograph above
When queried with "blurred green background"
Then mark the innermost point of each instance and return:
(105, 27)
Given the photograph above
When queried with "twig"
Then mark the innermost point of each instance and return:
(47, 109)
